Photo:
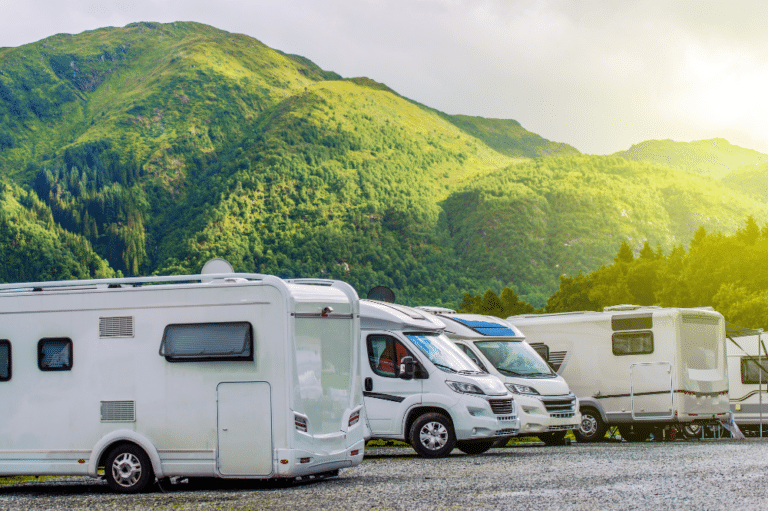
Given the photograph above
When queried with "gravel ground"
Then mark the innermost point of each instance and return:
(690, 475)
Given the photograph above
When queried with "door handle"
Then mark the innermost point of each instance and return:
(368, 384)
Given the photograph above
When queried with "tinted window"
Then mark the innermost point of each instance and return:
(54, 354)
(5, 360)
(207, 341)
(750, 370)
(632, 343)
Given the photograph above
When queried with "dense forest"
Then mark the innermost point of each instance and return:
(152, 148)
(719, 271)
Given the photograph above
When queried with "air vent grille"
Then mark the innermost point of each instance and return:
(117, 326)
(118, 411)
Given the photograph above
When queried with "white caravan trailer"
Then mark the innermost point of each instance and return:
(225, 375)
(638, 368)
(748, 379)
(419, 387)
(546, 405)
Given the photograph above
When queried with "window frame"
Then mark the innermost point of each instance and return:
(210, 358)
(626, 333)
(471, 354)
(392, 341)
(42, 342)
(6, 342)
(743, 365)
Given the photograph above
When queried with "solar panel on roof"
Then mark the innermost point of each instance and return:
(478, 324)
(495, 331)
(486, 327)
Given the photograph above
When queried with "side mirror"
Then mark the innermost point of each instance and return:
(407, 368)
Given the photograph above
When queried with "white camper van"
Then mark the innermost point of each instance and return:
(218, 375)
(419, 387)
(546, 406)
(638, 368)
(748, 379)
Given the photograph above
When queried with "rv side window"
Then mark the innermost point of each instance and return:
(471, 355)
(632, 343)
(385, 354)
(750, 370)
(200, 342)
(54, 354)
(5, 360)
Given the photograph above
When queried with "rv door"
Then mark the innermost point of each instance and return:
(651, 392)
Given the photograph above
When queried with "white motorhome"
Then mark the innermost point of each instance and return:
(419, 387)
(748, 379)
(546, 406)
(639, 368)
(217, 375)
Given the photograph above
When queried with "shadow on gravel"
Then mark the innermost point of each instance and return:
(64, 487)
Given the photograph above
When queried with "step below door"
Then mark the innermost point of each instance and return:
(244, 429)
(651, 391)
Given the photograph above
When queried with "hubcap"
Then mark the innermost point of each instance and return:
(433, 436)
(126, 470)
(588, 425)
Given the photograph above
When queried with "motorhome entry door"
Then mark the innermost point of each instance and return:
(651, 390)
(244, 429)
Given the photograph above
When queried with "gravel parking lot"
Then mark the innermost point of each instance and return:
(703, 474)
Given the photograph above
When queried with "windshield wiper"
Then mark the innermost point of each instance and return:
(508, 372)
(445, 368)
(472, 372)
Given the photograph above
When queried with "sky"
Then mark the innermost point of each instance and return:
(598, 75)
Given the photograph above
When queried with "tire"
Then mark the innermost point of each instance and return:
(128, 469)
(474, 446)
(432, 435)
(554, 438)
(592, 427)
(500, 443)
(633, 433)
(692, 430)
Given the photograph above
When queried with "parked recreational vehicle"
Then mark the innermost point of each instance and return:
(748, 379)
(638, 368)
(546, 405)
(216, 375)
(419, 387)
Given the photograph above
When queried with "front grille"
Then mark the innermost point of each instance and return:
(561, 407)
(563, 428)
(501, 406)
(502, 432)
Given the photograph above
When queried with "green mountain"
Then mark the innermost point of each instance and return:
(509, 137)
(751, 181)
(714, 158)
(154, 147)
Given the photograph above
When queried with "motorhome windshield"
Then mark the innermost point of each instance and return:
(444, 354)
(514, 358)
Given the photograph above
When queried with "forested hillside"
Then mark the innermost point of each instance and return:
(714, 158)
(154, 147)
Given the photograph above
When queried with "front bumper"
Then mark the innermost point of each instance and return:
(474, 419)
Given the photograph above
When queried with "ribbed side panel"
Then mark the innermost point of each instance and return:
(116, 326)
(118, 411)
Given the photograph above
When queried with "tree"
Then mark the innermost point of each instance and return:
(625, 254)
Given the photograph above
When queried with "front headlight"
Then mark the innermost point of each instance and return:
(464, 388)
(516, 388)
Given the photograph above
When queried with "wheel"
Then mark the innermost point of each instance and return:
(128, 469)
(554, 438)
(432, 435)
(692, 431)
(592, 427)
(633, 433)
(475, 447)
